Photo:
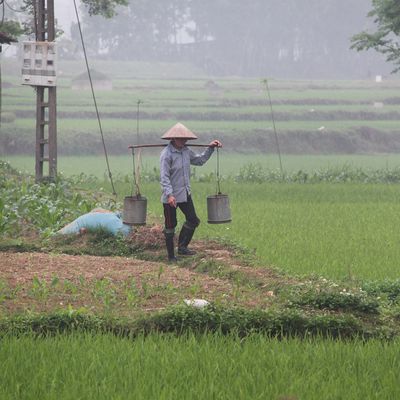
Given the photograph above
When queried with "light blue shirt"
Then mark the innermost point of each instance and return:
(175, 170)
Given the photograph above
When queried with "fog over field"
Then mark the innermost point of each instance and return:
(284, 39)
(205, 64)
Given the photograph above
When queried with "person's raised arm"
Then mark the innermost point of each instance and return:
(215, 143)
(200, 159)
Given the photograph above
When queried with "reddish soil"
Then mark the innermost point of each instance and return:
(46, 282)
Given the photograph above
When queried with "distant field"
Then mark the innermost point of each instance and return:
(230, 164)
(69, 127)
(312, 117)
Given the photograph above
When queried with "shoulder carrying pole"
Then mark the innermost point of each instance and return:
(137, 146)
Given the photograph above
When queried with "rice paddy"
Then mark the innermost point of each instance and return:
(345, 232)
(166, 367)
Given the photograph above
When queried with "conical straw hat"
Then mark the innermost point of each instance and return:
(179, 131)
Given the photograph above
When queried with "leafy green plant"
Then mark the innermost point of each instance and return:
(39, 289)
(6, 292)
(343, 300)
(387, 288)
(45, 207)
(55, 281)
(69, 286)
(104, 290)
(132, 293)
(185, 319)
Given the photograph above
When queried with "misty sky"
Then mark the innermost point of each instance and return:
(65, 13)
(286, 42)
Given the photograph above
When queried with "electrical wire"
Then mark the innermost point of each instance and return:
(13, 9)
(35, 13)
(1, 95)
(265, 81)
(94, 99)
(1, 77)
(2, 12)
(137, 120)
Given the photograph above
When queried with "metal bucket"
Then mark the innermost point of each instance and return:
(135, 208)
(218, 209)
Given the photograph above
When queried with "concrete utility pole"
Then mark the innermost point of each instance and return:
(46, 107)
(46, 100)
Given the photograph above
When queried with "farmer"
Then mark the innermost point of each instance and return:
(175, 163)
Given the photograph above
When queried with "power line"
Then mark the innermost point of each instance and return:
(2, 12)
(94, 99)
(265, 81)
(21, 10)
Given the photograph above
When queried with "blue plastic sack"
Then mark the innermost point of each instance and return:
(110, 221)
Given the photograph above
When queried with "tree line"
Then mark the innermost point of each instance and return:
(306, 38)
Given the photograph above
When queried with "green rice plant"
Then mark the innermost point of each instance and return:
(340, 231)
(55, 282)
(159, 273)
(147, 290)
(70, 287)
(114, 126)
(39, 289)
(254, 172)
(4, 290)
(337, 231)
(196, 367)
(132, 293)
(105, 291)
(195, 288)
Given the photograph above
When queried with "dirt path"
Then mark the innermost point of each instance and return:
(43, 282)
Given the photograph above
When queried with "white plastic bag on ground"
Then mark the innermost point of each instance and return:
(97, 218)
(197, 303)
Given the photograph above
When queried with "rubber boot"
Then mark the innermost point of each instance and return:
(185, 236)
(169, 242)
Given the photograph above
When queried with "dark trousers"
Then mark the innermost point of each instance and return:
(192, 221)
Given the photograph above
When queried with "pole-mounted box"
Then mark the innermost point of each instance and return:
(39, 64)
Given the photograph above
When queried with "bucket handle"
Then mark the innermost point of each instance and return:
(218, 175)
(135, 180)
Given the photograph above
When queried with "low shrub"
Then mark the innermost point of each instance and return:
(338, 301)
(44, 207)
(256, 173)
(182, 320)
(388, 288)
